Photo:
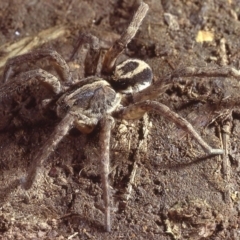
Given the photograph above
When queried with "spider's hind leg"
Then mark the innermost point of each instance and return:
(112, 54)
(223, 71)
(160, 86)
(137, 110)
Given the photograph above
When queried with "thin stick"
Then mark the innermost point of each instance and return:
(226, 131)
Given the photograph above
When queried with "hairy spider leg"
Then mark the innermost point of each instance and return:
(49, 146)
(88, 48)
(45, 78)
(15, 92)
(29, 78)
(68, 122)
(158, 87)
(137, 110)
(59, 63)
(105, 134)
(112, 54)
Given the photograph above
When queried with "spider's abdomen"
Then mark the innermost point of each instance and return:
(132, 75)
(92, 100)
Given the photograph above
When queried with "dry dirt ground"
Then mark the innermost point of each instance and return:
(163, 186)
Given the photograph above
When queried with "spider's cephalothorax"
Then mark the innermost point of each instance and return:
(89, 103)
(97, 97)
(84, 103)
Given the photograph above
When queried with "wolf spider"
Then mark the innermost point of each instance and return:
(85, 103)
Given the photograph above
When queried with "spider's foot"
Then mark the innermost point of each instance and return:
(24, 183)
(108, 228)
(107, 220)
(216, 151)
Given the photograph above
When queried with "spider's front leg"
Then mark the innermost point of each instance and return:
(84, 124)
(70, 120)
(105, 134)
(59, 63)
(49, 146)
(14, 95)
(137, 110)
(43, 77)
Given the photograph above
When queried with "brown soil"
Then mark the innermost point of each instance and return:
(176, 193)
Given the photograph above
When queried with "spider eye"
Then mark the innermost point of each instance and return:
(132, 75)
